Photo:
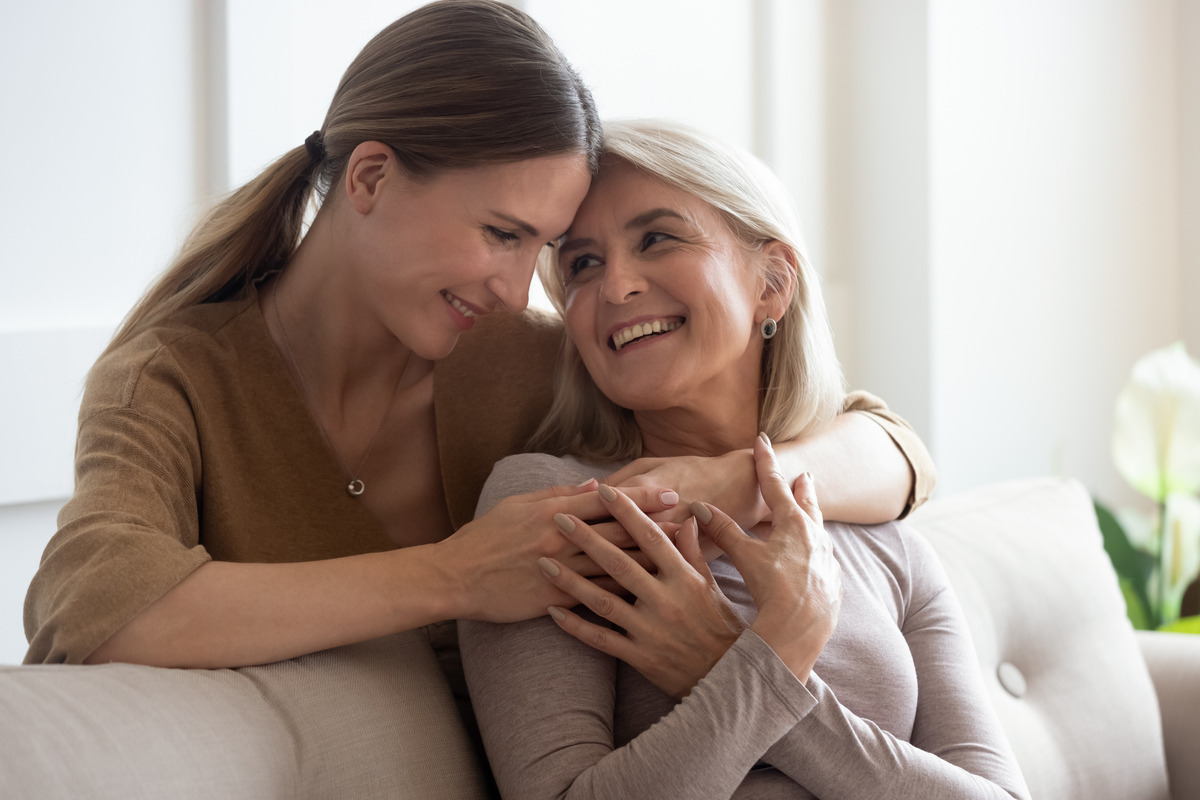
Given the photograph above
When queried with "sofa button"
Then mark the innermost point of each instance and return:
(1011, 678)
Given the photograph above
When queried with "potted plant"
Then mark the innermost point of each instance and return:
(1156, 448)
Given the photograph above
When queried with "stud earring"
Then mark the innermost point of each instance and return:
(768, 328)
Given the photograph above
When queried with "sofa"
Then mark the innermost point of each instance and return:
(1093, 709)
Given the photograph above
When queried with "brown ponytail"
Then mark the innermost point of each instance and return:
(454, 84)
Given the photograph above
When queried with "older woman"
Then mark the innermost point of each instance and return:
(696, 323)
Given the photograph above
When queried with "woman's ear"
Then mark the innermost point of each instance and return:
(780, 272)
(368, 169)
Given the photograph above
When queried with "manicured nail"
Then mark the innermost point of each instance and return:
(588, 482)
(670, 498)
(806, 477)
(607, 492)
(766, 439)
(564, 523)
(548, 567)
(701, 512)
(556, 612)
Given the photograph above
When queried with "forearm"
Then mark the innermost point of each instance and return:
(952, 745)
(559, 694)
(861, 475)
(836, 754)
(230, 615)
(708, 743)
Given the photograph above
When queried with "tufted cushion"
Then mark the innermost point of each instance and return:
(375, 719)
(1059, 657)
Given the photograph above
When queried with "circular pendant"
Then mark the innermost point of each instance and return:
(356, 487)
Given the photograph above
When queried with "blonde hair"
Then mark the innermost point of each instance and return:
(454, 84)
(802, 385)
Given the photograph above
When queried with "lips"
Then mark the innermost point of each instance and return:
(625, 336)
(462, 307)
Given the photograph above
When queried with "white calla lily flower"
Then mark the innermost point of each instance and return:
(1156, 437)
(1181, 541)
(1140, 527)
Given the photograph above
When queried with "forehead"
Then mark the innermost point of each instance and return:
(515, 174)
(550, 185)
(622, 192)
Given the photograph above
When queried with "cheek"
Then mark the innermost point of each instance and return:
(580, 320)
(736, 297)
(470, 262)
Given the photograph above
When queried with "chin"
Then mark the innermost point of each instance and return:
(650, 399)
(434, 350)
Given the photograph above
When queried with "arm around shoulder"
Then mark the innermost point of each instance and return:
(868, 464)
(923, 473)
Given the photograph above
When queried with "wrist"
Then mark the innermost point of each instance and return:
(445, 588)
(754, 509)
(797, 654)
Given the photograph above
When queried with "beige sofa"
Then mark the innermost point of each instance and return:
(1093, 710)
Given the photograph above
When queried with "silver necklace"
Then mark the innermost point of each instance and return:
(356, 486)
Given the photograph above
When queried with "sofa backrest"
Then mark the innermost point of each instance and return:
(1058, 654)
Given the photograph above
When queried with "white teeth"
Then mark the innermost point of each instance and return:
(458, 305)
(635, 332)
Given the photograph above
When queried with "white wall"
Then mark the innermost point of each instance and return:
(100, 132)
(877, 189)
(1003, 196)
(1007, 220)
(1055, 257)
(1187, 51)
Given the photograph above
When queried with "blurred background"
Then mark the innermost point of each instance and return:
(1002, 196)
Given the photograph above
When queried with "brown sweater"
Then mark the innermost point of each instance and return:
(193, 445)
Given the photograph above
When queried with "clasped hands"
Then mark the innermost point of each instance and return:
(679, 623)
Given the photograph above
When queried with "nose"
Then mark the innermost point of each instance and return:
(511, 286)
(622, 280)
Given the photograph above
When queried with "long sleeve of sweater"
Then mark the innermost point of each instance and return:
(555, 713)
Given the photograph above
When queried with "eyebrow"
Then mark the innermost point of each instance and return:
(520, 223)
(640, 221)
(646, 217)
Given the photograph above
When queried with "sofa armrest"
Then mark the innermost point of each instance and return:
(375, 719)
(1174, 663)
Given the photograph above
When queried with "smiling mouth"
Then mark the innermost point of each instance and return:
(459, 305)
(635, 333)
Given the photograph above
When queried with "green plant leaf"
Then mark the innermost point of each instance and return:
(1135, 609)
(1132, 565)
(1183, 625)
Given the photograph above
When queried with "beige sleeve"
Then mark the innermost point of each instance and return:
(919, 461)
(130, 532)
(558, 694)
(561, 695)
(958, 748)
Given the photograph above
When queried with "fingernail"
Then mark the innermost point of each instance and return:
(806, 476)
(585, 483)
(548, 567)
(766, 439)
(607, 492)
(670, 498)
(564, 523)
(701, 512)
(556, 612)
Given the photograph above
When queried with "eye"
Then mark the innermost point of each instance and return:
(580, 263)
(653, 238)
(500, 235)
